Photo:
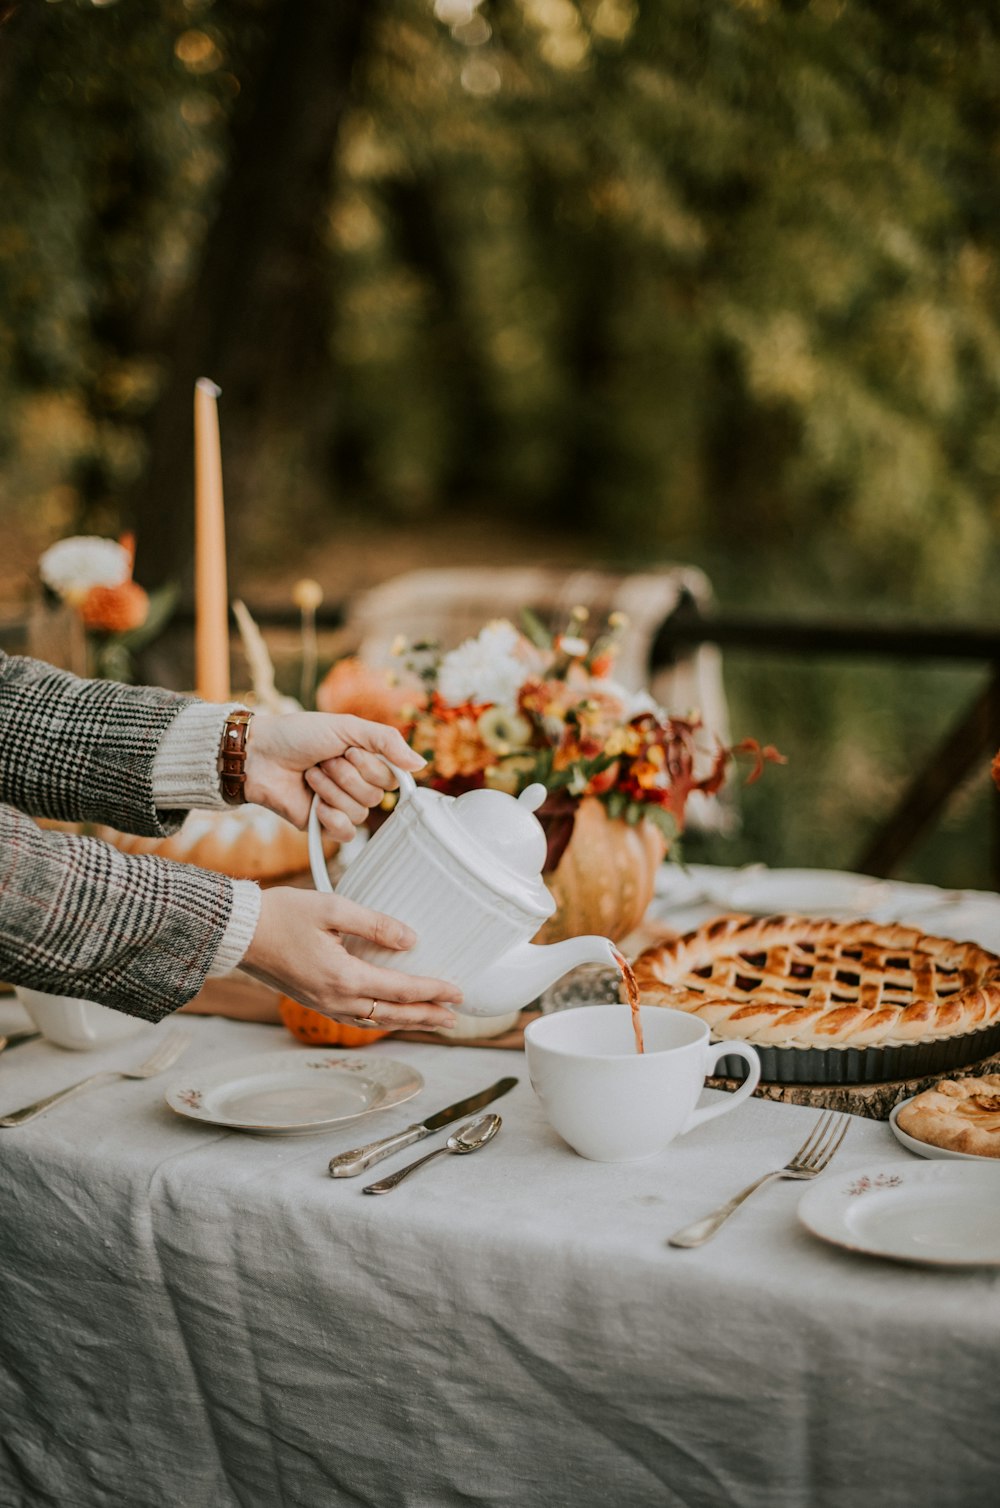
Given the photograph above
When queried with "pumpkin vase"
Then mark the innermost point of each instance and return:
(605, 879)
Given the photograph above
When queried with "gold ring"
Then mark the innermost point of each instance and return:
(371, 1014)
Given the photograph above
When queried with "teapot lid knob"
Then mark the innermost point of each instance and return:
(533, 796)
(495, 830)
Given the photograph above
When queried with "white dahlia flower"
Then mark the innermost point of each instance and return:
(488, 668)
(71, 567)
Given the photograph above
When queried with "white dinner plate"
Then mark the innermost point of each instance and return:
(293, 1091)
(927, 1212)
(764, 892)
(926, 1149)
(805, 892)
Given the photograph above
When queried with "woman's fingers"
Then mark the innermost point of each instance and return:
(379, 738)
(336, 823)
(394, 988)
(297, 949)
(342, 915)
(364, 981)
(373, 770)
(345, 774)
(392, 1016)
(369, 980)
(335, 791)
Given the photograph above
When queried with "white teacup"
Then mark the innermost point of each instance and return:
(71, 1022)
(613, 1104)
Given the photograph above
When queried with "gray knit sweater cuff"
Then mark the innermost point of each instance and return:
(240, 930)
(186, 766)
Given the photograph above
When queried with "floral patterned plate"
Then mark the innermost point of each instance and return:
(293, 1091)
(931, 1212)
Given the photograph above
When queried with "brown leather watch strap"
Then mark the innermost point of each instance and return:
(233, 758)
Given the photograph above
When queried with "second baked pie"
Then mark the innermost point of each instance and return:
(802, 985)
(960, 1115)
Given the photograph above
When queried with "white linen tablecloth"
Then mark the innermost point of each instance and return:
(204, 1318)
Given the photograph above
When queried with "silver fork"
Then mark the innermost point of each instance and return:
(165, 1056)
(812, 1157)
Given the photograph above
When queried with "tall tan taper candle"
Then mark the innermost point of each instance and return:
(211, 593)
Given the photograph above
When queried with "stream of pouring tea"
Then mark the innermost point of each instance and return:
(632, 996)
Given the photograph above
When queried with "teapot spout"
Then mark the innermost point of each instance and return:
(521, 975)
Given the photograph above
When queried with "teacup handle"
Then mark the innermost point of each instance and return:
(317, 858)
(715, 1051)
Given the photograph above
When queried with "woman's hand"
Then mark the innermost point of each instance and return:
(298, 949)
(342, 759)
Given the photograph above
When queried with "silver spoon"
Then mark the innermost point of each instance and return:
(468, 1138)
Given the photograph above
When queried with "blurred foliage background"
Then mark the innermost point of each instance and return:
(586, 280)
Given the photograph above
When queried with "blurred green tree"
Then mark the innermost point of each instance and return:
(715, 280)
(709, 278)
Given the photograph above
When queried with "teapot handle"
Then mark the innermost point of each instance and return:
(317, 858)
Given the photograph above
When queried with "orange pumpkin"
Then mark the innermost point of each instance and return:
(352, 686)
(604, 881)
(319, 1031)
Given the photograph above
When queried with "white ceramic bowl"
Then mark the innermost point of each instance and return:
(75, 1023)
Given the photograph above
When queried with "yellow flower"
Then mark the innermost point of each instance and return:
(623, 741)
(504, 730)
(307, 595)
(509, 774)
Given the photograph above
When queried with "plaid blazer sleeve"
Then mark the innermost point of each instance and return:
(77, 750)
(79, 918)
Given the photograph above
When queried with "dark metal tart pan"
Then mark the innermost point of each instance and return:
(866, 1065)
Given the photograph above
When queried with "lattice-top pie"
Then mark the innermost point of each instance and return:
(789, 981)
(962, 1115)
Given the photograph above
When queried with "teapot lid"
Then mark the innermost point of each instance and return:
(500, 839)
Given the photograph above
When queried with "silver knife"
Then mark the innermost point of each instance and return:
(349, 1164)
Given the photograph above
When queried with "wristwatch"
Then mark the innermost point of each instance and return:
(233, 757)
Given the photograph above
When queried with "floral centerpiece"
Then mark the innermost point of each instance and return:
(94, 577)
(509, 708)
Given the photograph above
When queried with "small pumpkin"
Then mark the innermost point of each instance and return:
(319, 1031)
(605, 879)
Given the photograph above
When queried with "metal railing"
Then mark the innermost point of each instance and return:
(973, 738)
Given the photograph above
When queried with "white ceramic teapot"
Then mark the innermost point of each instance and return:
(466, 874)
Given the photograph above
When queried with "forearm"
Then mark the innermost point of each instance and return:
(78, 750)
(139, 934)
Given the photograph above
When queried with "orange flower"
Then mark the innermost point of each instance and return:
(462, 711)
(546, 698)
(574, 746)
(604, 781)
(453, 748)
(115, 609)
(599, 713)
(761, 756)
